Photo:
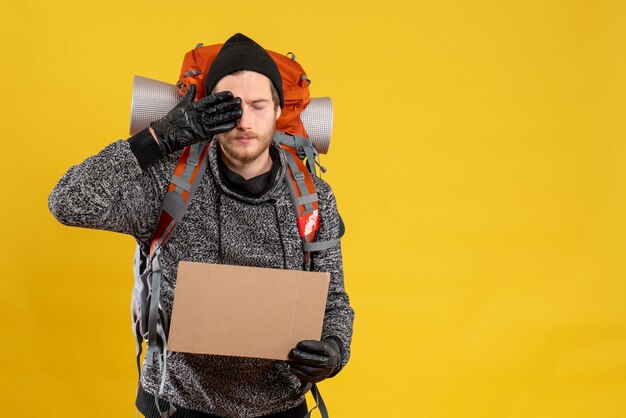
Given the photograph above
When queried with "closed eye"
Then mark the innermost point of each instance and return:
(259, 104)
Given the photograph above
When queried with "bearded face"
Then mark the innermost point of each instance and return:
(250, 140)
(246, 145)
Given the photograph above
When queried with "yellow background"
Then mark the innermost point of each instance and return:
(479, 161)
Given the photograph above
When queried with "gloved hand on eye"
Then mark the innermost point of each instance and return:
(313, 361)
(190, 122)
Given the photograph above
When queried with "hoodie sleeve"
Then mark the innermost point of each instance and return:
(339, 315)
(110, 191)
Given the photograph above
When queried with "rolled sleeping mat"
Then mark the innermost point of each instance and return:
(153, 99)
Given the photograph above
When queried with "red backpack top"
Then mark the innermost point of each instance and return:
(295, 84)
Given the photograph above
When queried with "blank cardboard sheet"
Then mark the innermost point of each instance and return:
(245, 311)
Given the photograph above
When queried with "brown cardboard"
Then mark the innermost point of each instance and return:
(245, 311)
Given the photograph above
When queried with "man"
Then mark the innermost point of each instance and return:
(241, 214)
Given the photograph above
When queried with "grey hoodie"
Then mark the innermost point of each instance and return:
(110, 191)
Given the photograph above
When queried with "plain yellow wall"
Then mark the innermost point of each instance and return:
(479, 161)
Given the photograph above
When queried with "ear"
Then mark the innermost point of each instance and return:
(278, 111)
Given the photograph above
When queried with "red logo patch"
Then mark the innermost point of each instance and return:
(308, 223)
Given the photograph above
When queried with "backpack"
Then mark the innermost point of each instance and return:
(149, 320)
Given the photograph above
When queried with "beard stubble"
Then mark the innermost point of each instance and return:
(245, 154)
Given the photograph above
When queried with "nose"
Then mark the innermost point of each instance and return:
(244, 123)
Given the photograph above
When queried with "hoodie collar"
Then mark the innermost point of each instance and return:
(277, 173)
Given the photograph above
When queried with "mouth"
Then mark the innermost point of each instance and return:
(244, 139)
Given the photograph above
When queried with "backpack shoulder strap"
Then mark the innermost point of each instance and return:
(183, 184)
(303, 194)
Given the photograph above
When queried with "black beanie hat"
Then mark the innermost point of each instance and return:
(241, 53)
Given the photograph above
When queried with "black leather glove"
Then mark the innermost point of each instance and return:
(190, 122)
(313, 361)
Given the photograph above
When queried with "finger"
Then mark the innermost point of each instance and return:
(313, 346)
(220, 118)
(228, 105)
(213, 98)
(308, 370)
(304, 357)
(231, 104)
(225, 127)
(190, 94)
(305, 377)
